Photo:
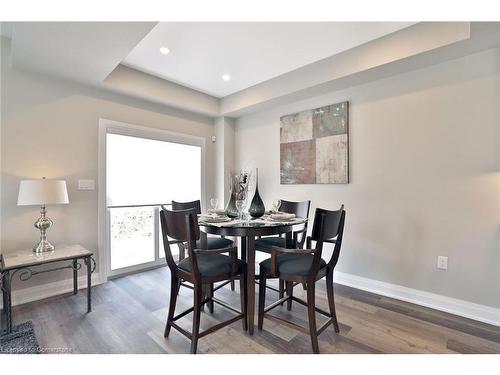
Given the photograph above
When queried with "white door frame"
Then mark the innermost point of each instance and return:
(122, 128)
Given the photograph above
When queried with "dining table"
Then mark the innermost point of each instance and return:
(248, 230)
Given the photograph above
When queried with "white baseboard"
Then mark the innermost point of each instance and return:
(39, 292)
(482, 313)
(450, 305)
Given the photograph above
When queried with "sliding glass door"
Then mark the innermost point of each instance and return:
(144, 172)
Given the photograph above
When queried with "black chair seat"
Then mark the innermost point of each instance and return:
(292, 264)
(266, 243)
(211, 265)
(216, 243)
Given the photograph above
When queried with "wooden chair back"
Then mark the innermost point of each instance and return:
(328, 227)
(178, 206)
(180, 226)
(300, 209)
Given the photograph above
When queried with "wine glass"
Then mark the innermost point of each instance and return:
(214, 201)
(240, 205)
(276, 205)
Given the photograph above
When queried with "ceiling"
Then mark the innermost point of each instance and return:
(250, 52)
(270, 63)
(81, 51)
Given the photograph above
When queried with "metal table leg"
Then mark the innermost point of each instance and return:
(7, 301)
(75, 277)
(3, 323)
(89, 284)
(9, 304)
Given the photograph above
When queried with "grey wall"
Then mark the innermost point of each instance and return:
(425, 168)
(224, 156)
(425, 176)
(50, 128)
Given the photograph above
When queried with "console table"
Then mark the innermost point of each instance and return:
(22, 263)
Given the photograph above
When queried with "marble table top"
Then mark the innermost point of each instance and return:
(261, 222)
(29, 258)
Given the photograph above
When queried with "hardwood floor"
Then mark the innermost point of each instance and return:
(129, 317)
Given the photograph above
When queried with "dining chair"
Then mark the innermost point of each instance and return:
(306, 266)
(201, 267)
(265, 244)
(212, 242)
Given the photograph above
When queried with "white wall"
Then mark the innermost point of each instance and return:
(425, 176)
(50, 128)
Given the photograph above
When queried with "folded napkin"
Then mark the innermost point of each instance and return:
(282, 216)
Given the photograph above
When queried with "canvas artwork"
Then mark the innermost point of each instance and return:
(314, 146)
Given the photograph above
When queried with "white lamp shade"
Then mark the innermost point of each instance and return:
(42, 192)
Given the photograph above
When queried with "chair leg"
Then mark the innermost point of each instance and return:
(196, 317)
(331, 300)
(203, 296)
(175, 284)
(289, 293)
(312, 316)
(210, 294)
(281, 288)
(232, 285)
(262, 297)
(243, 299)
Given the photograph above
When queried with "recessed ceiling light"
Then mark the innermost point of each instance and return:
(164, 51)
(226, 77)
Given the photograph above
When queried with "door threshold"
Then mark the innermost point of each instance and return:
(133, 272)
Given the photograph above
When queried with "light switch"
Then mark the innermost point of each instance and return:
(86, 185)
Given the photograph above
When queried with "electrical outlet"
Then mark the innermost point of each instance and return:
(442, 262)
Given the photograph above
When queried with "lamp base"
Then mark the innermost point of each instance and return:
(43, 223)
(43, 246)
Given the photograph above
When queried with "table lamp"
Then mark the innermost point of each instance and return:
(41, 193)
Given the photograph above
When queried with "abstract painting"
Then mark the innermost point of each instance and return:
(314, 146)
